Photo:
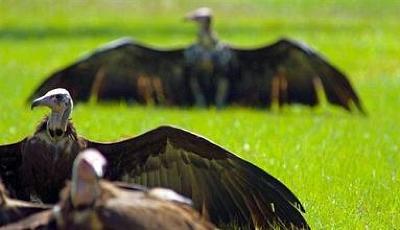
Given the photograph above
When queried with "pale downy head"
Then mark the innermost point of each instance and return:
(87, 170)
(60, 102)
(202, 15)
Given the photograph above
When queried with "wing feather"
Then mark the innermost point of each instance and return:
(286, 72)
(227, 188)
(123, 70)
(41, 220)
(10, 161)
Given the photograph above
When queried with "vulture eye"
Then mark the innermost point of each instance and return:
(58, 97)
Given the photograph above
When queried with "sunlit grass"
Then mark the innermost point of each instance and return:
(343, 167)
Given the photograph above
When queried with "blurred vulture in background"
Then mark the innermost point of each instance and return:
(206, 73)
(91, 203)
(223, 187)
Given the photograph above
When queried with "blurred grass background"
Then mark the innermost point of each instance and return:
(343, 167)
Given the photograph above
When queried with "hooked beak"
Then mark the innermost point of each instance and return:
(189, 17)
(41, 101)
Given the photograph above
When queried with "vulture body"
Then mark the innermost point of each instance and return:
(91, 203)
(224, 187)
(118, 208)
(208, 72)
(12, 210)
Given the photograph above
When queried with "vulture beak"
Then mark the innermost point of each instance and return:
(188, 17)
(41, 101)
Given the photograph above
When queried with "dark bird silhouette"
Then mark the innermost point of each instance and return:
(224, 187)
(208, 72)
(12, 210)
(91, 203)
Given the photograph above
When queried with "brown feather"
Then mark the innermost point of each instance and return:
(36, 158)
(12, 210)
(117, 208)
(118, 72)
(296, 65)
(232, 190)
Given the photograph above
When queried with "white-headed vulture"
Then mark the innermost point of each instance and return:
(221, 185)
(208, 72)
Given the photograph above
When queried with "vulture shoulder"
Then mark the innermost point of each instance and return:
(222, 186)
(121, 69)
(291, 72)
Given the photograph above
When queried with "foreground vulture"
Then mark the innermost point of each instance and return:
(90, 203)
(12, 210)
(223, 187)
(206, 73)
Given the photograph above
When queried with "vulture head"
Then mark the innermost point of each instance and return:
(60, 102)
(202, 16)
(87, 170)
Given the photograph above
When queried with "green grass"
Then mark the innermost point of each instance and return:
(344, 167)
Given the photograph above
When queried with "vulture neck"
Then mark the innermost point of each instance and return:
(206, 37)
(57, 123)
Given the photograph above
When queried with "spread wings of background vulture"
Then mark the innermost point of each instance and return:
(206, 73)
(224, 187)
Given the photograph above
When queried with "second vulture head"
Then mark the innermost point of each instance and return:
(60, 102)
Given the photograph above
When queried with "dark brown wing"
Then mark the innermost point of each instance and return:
(12, 210)
(123, 70)
(10, 161)
(289, 72)
(41, 220)
(227, 188)
(15, 210)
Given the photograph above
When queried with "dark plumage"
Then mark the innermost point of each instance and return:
(12, 210)
(222, 186)
(90, 203)
(208, 72)
(100, 204)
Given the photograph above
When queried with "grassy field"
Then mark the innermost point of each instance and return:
(344, 167)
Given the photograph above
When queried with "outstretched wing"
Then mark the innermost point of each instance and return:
(123, 70)
(41, 220)
(289, 72)
(13, 210)
(10, 161)
(230, 190)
